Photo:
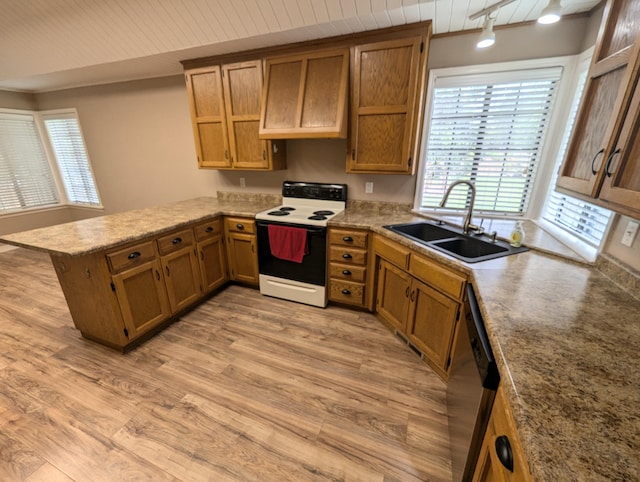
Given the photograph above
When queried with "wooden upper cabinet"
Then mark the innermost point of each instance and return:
(602, 139)
(305, 95)
(242, 93)
(225, 113)
(387, 91)
(206, 101)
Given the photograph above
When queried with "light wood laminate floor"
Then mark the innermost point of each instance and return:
(244, 387)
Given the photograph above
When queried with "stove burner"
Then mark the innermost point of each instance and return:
(287, 208)
(278, 213)
(317, 217)
(323, 213)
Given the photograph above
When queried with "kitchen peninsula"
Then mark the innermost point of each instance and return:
(565, 336)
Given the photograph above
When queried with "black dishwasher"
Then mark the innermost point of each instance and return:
(472, 386)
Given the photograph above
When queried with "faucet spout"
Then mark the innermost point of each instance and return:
(467, 226)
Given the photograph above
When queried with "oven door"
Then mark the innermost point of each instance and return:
(313, 268)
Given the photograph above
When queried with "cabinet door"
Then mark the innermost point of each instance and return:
(242, 92)
(182, 278)
(142, 297)
(206, 101)
(213, 272)
(501, 429)
(432, 323)
(243, 257)
(605, 100)
(392, 300)
(385, 106)
(622, 174)
(305, 95)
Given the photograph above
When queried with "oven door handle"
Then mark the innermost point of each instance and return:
(310, 229)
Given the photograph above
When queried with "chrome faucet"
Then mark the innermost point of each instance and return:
(467, 226)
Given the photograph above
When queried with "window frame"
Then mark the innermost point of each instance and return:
(549, 146)
(59, 186)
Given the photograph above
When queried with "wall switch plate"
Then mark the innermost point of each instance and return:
(243, 183)
(368, 187)
(630, 233)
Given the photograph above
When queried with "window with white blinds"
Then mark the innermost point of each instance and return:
(26, 179)
(489, 129)
(71, 156)
(579, 218)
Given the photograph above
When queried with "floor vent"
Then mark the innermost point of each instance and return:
(414, 349)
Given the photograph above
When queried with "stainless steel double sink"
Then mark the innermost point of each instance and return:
(451, 240)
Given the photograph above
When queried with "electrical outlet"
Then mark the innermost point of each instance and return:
(243, 183)
(630, 233)
(368, 187)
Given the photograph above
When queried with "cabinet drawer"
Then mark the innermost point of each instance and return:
(347, 272)
(435, 275)
(240, 225)
(391, 251)
(175, 241)
(208, 229)
(357, 239)
(131, 257)
(343, 254)
(346, 292)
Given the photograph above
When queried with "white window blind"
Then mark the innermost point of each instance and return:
(71, 156)
(488, 129)
(26, 180)
(580, 218)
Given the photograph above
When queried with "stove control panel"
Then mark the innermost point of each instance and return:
(314, 190)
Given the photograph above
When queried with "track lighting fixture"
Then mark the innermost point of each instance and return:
(550, 13)
(487, 37)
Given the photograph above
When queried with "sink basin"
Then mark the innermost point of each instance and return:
(424, 231)
(451, 240)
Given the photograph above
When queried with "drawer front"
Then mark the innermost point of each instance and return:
(208, 229)
(347, 272)
(438, 277)
(391, 251)
(343, 254)
(346, 292)
(131, 257)
(240, 225)
(343, 237)
(175, 241)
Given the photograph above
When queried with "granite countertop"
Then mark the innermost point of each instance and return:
(104, 232)
(566, 339)
(565, 336)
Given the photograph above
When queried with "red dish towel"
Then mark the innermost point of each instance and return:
(288, 243)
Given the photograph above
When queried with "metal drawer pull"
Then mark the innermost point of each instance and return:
(346, 272)
(346, 292)
(406, 292)
(240, 226)
(348, 239)
(208, 229)
(134, 255)
(503, 450)
(606, 169)
(346, 256)
(177, 241)
(593, 161)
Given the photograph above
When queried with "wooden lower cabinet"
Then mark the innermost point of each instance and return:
(242, 249)
(419, 298)
(180, 267)
(392, 299)
(501, 437)
(348, 256)
(211, 254)
(142, 297)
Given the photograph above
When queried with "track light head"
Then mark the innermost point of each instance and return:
(487, 37)
(551, 13)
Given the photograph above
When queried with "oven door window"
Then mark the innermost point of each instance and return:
(312, 270)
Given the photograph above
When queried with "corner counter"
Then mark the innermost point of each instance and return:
(566, 339)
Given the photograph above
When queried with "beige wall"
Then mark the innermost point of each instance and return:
(139, 139)
(17, 100)
(628, 255)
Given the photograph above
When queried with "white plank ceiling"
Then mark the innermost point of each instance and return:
(55, 44)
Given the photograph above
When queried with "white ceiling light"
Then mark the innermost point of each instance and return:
(487, 37)
(550, 13)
